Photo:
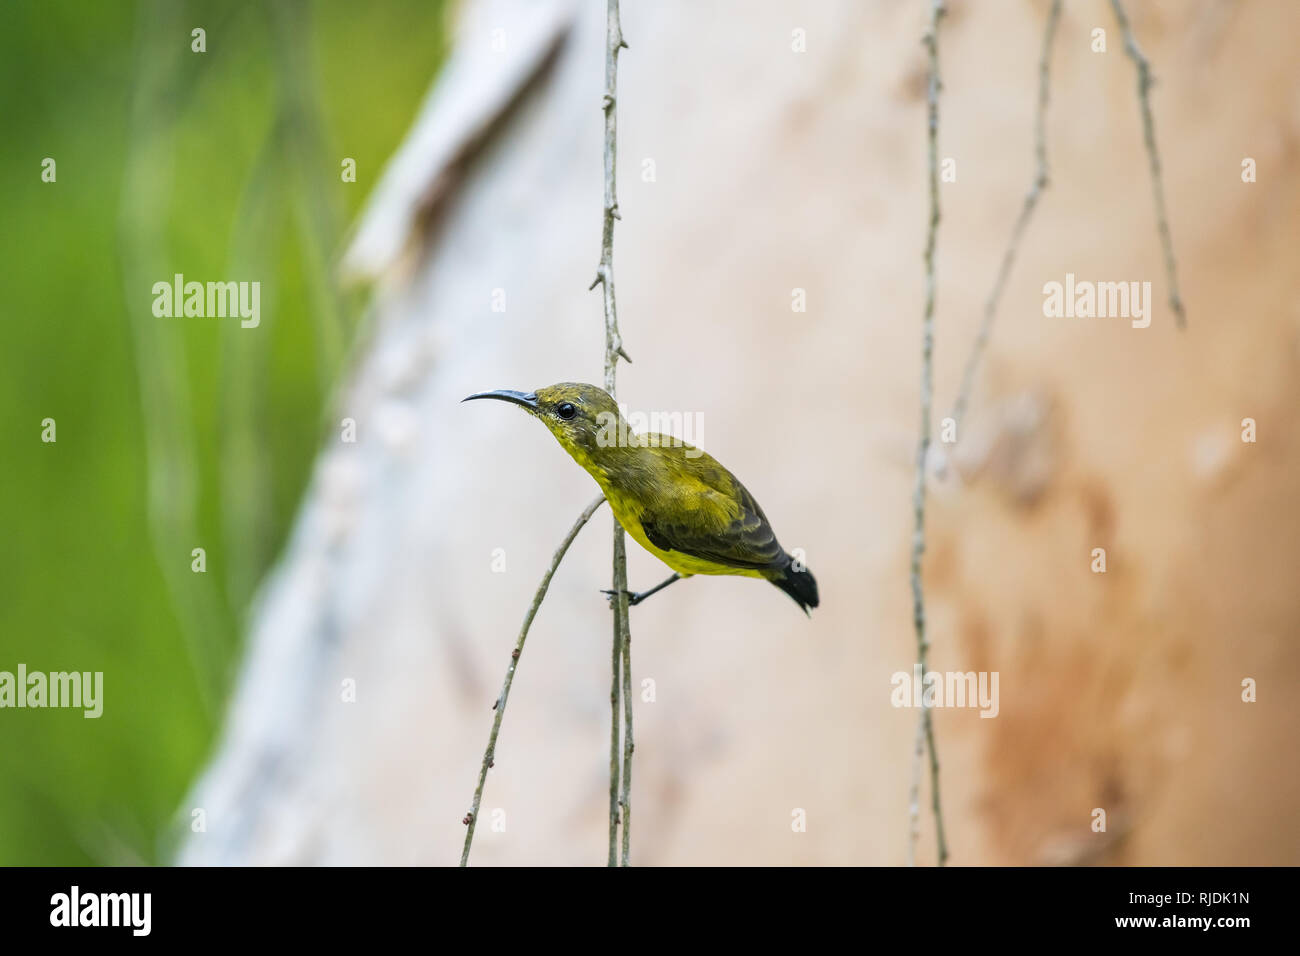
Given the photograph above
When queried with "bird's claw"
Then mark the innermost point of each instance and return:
(632, 599)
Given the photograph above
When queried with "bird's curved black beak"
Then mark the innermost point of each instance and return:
(527, 399)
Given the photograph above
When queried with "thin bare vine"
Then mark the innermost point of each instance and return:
(1040, 183)
(620, 759)
(489, 755)
(1144, 83)
(620, 801)
(926, 724)
(925, 732)
(1022, 221)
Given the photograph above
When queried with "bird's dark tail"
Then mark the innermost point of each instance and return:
(797, 581)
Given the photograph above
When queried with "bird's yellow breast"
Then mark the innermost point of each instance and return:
(688, 492)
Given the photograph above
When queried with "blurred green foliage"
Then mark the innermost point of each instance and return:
(172, 433)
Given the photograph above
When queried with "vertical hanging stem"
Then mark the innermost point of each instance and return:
(926, 724)
(1144, 83)
(620, 805)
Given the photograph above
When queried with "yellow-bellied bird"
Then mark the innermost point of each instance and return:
(675, 500)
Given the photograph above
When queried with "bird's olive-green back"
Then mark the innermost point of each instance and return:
(681, 498)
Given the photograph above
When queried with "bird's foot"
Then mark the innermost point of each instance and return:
(632, 599)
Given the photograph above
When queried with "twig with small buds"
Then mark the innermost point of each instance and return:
(931, 40)
(620, 802)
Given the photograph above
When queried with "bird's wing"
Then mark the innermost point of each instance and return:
(724, 525)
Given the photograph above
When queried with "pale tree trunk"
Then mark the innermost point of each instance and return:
(749, 170)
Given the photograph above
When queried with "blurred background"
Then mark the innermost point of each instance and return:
(171, 435)
(764, 148)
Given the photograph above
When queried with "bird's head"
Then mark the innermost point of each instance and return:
(583, 418)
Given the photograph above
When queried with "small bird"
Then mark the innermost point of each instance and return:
(675, 500)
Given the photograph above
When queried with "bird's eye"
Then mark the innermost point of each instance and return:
(565, 410)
